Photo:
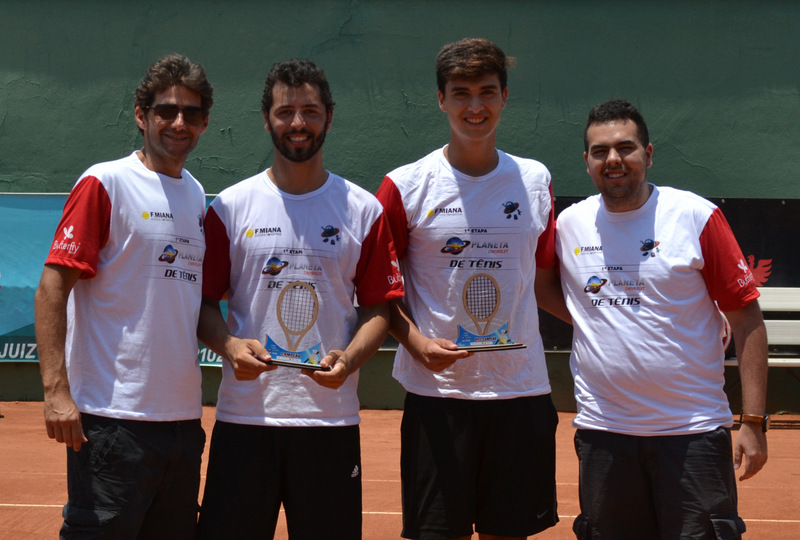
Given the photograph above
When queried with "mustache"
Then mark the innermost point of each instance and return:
(299, 132)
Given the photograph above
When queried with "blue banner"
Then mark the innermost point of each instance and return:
(27, 227)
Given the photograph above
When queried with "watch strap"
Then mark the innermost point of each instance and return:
(762, 419)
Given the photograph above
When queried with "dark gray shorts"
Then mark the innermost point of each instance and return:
(488, 463)
(134, 479)
(664, 487)
(314, 471)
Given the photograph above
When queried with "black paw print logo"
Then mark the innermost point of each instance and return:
(649, 247)
(330, 234)
(511, 209)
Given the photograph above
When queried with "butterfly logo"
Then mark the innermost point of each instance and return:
(68, 232)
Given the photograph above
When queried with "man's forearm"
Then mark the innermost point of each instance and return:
(50, 307)
(212, 329)
(401, 325)
(373, 326)
(750, 337)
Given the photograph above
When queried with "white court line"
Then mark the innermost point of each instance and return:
(398, 481)
(12, 505)
(562, 516)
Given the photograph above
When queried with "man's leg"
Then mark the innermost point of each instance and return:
(614, 488)
(694, 486)
(517, 471)
(114, 479)
(322, 480)
(243, 481)
(173, 512)
(438, 463)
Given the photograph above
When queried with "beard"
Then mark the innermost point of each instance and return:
(297, 155)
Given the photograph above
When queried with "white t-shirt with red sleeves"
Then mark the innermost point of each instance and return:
(647, 354)
(449, 227)
(260, 239)
(131, 343)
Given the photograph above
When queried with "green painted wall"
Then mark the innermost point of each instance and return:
(717, 81)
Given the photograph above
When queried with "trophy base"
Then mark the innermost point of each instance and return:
(492, 347)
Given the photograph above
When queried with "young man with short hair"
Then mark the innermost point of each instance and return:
(478, 431)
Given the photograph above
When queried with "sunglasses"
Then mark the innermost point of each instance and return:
(166, 112)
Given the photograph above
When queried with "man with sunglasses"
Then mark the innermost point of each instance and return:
(116, 319)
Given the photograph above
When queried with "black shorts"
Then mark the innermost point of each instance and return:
(668, 487)
(487, 463)
(315, 472)
(134, 479)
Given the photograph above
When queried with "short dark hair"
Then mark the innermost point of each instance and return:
(616, 109)
(471, 58)
(294, 72)
(174, 70)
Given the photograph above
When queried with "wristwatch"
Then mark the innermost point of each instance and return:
(762, 419)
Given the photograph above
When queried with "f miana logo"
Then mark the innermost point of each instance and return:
(68, 232)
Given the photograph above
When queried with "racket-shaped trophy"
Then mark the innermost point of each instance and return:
(297, 310)
(481, 301)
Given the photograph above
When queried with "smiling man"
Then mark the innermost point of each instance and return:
(116, 320)
(289, 435)
(653, 425)
(478, 432)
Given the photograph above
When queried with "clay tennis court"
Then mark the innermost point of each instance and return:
(33, 483)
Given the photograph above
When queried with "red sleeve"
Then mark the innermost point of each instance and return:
(727, 275)
(83, 229)
(395, 212)
(378, 272)
(217, 260)
(546, 247)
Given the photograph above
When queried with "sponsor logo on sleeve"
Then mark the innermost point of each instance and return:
(397, 276)
(66, 243)
(748, 275)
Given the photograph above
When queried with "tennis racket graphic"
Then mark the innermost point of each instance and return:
(298, 307)
(481, 300)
